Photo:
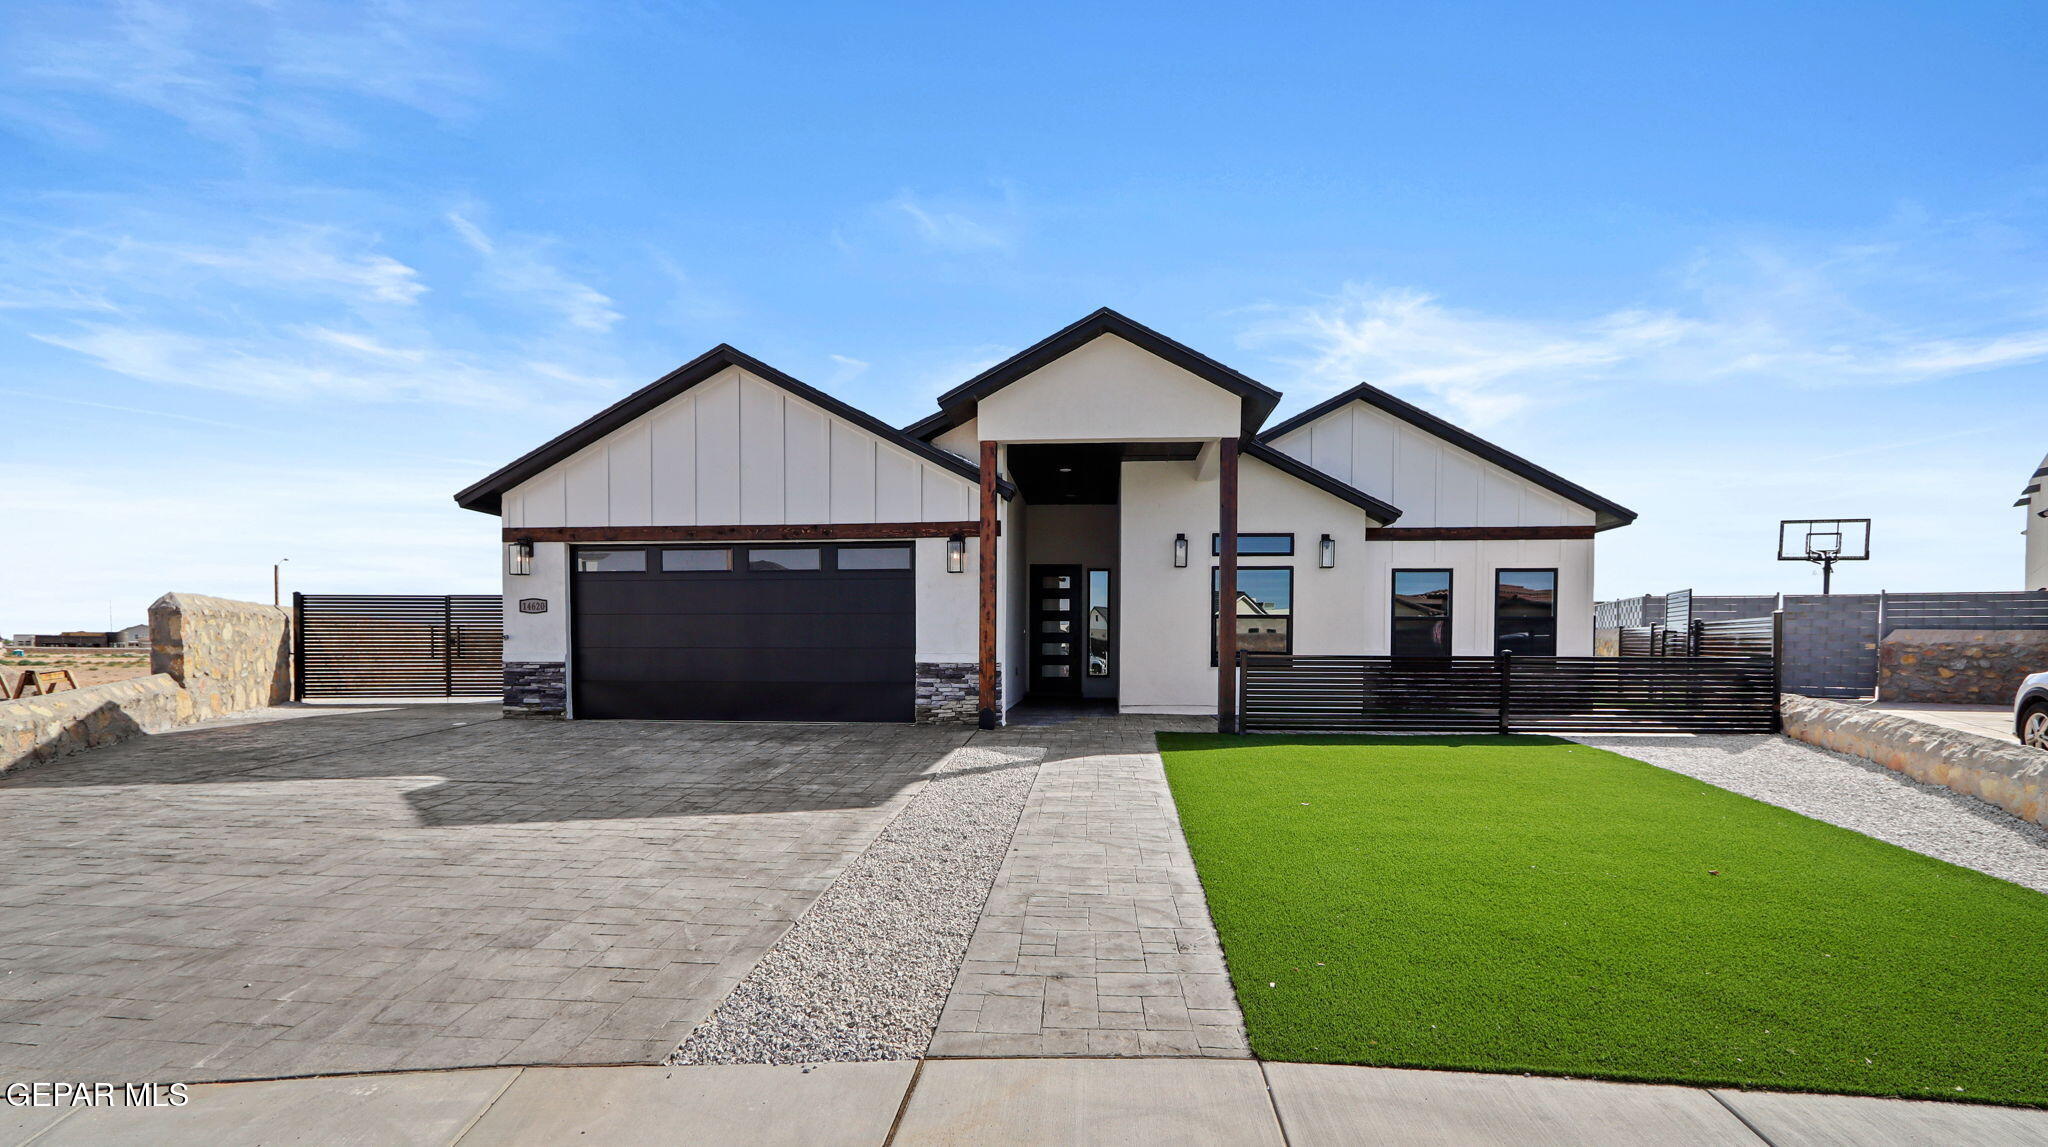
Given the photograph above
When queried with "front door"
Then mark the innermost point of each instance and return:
(1056, 631)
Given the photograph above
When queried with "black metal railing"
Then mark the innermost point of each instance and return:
(1508, 694)
(398, 645)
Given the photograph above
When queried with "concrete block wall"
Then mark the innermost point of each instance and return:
(1831, 644)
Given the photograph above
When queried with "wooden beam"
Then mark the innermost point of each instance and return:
(836, 531)
(1226, 586)
(1476, 533)
(987, 648)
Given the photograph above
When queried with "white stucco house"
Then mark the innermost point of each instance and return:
(2034, 500)
(729, 543)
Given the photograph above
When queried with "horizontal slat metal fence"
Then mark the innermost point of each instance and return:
(1359, 694)
(399, 645)
(1734, 637)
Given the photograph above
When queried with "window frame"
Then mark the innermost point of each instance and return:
(1216, 605)
(1216, 544)
(740, 558)
(1394, 618)
(1109, 635)
(1555, 581)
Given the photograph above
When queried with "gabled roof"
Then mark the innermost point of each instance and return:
(1381, 512)
(957, 405)
(486, 496)
(1608, 514)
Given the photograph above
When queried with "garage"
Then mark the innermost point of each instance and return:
(812, 632)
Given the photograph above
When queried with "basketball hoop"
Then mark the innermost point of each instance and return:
(1824, 541)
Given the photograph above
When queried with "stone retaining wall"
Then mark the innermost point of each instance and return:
(2011, 776)
(38, 729)
(1959, 666)
(230, 655)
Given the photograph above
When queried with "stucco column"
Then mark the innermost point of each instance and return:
(987, 705)
(1226, 586)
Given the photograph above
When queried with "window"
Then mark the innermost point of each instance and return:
(1256, 545)
(696, 561)
(1265, 609)
(611, 561)
(1098, 623)
(874, 557)
(1422, 613)
(1525, 612)
(801, 558)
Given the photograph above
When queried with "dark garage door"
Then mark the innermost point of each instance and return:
(745, 633)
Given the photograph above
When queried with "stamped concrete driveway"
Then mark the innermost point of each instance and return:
(425, 886)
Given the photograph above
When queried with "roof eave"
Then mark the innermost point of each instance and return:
(1384, 513)
(487, 496)
(1607, 515)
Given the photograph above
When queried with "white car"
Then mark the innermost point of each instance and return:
(2030, 712)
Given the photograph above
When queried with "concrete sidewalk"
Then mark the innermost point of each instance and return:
(1003, 1101)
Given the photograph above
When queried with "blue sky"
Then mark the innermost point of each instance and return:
(277, 278)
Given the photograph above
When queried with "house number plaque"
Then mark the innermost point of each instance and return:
(533, 605)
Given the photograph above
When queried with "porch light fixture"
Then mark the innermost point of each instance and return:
(1180, 551)
(519, 558)
(1326, 553)
(956, 553)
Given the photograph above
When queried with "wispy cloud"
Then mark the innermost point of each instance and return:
(519, 268)
(959, 225)
(238, 71)
(1857, 315)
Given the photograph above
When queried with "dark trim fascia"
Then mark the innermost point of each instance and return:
(957, 405)
(836, 531)
(1295, 468)
(486, 496)
(1479, 533)
(1465, 440)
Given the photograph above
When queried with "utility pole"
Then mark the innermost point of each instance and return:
(276, 597)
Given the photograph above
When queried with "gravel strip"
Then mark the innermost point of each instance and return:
(864, 973)
(1855, 794)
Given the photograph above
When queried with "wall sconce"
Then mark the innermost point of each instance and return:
(519, 558)
(1180, 551)
(956, 553)
(1326, 554)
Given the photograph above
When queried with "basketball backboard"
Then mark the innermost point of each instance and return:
(1824, 539)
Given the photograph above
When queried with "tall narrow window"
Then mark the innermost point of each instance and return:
(1265, 609)
(1422, 613)
(1098, 623)
(1525, 612)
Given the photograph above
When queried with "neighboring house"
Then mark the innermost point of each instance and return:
(731, 543)
(2034, 499)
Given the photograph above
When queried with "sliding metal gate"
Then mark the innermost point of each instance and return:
(398, 645)
(1508, 694)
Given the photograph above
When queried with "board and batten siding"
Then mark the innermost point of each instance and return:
(737, 450)
(1434, 482)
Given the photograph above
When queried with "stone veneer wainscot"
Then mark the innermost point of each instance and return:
(536, 689)
(949, 692)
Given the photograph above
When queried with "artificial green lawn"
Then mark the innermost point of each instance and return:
(1527, 904)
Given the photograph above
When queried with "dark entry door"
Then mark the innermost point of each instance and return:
(822, 632)
(1057, 645)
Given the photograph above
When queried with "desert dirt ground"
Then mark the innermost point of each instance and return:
(87, 666)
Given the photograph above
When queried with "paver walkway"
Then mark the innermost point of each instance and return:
(415, 887)
(1096, 939)
(989, 1103)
